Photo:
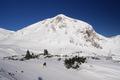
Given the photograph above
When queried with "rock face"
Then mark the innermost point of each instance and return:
(62, 34)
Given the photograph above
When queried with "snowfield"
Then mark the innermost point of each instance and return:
(55, 70)
(60, 35)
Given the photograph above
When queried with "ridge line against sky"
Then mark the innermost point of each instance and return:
(103, 15)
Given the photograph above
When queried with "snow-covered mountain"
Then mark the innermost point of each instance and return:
(59, 35)
(5, 33)
(62, 34)
(6, 49)
(61, 30)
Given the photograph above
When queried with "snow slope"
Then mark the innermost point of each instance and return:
(8, 49)
(5, 33)
(55, 70)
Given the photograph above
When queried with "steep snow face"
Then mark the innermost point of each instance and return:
(5, 33)
(59, 32)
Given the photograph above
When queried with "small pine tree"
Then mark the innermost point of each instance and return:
(28, 55)
(45, 52)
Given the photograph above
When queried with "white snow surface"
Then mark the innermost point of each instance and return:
(55, 70)
(5, 33)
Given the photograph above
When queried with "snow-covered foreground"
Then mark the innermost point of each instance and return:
(55, 70)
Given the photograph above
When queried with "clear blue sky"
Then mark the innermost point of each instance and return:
(103, 15)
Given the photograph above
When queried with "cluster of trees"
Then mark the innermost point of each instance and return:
(30, 56)
(74, 62)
